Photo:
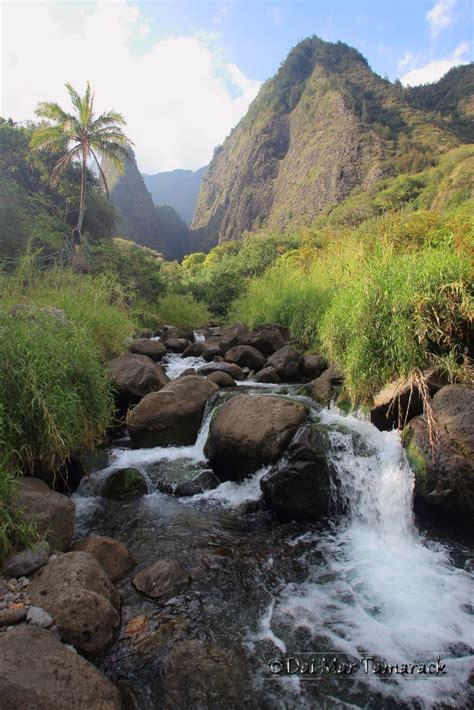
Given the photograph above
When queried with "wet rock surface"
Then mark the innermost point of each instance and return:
(112, 554)
(153, 349)
(248, 432)
(124, 484)
(135, 376)
(53, 513)
(162, 579)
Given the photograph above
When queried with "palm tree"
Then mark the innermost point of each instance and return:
(80, 136)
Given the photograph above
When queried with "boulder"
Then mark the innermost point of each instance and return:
(400, 401)
(181, 477)
(267, 338)
(268, 375)
(112, 554)
(250, 431)
(77, 593)
(313, 366)
(171, 416)
(234, 335)
(195, 350)
(153, 349)
(222, 379)
(299, 486)
(24, 563)
(245, 356)
(135, 376)
(444, 476)
(229, 368)
(163, 578)
(177, 345)
(37, 672)
(212, 348)
(287, 362)
(188, 371)
(326, 387)
(124, 484)
(52, 512)
(171, 331)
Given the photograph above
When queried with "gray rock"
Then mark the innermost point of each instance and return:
(287, 362)
(153, 349)
(222, 379)
(245, 356)
(39, 617)
(52, 512)
(229, 368)
(135, 376)
(124, 484)
(268, 375)
(27, 561)
(162, 579)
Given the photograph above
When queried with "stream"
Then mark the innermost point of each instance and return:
(366, 584)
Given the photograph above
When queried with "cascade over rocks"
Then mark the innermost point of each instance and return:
(245, 356)
(229, 368)
(53, 513)
(163, 578)
(135, 376)
(153, 349)
(76, 591)
(299, 487)
(398, 402)
(248, 432)
(444, 477)
(112, 554)
(37, 672)
(171, 416)
(287, 362)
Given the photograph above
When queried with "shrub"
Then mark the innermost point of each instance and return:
(175, 309)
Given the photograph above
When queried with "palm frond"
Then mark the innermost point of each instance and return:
(52, 111)
(110, 119)
(116, 153)
(63, 163)
(48, 138)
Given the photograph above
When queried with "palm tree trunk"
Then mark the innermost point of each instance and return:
(82, 206)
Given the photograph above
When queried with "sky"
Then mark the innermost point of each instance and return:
(183, 72)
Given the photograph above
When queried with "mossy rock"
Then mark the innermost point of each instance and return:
(124, 484)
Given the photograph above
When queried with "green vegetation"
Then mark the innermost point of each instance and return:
(389, 297)
(15, 532)
(80, 136)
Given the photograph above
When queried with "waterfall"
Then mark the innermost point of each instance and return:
(382, 589)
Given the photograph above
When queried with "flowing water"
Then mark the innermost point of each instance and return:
(272, 596)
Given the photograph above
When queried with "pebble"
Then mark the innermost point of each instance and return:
(39, 617)
(12, 616)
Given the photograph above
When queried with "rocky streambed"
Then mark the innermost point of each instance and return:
(261, 546)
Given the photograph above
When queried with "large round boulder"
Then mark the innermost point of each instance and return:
(172, 331)
(299, 486)
(79, 596)
(222, 379)
(135, 376)
(112, 554)
(250, 431)
(171, 416)
(153, 349)
(442, 453)
(177, 345)
(313, 366)
(268, 375)
(326, 387)
(267, 338)
(245, 356)
(37, 672)
(53, 513)
(287, 362)
(233, 335)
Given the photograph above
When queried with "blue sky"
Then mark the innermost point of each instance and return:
(257, 35)
(183, 72)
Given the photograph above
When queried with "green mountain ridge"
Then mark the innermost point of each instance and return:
(139, 220)
(322, 127)
(177, 188)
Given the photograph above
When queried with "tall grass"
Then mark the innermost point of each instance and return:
(173, 309)
(381, 301)
(15, 532)
(55, 397)
(96, 304)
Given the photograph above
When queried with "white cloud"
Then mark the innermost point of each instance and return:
(440, 16)
(221, 14)
(435, 69)
(178, 95)
(407, 60)
(275, 13)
